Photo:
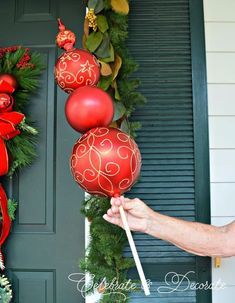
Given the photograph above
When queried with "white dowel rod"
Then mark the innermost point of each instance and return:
(134, 251)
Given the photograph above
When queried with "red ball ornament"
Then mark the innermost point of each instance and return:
(88, 107)
(10, 79)
(76, 67)
(6, 103)
(105, 162)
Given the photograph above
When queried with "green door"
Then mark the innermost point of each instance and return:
(47, 239)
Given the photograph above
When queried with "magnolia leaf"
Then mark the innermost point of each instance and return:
(119, 112)
(86, 27)
(103, 50)
(114, 124)
(94, 40)
(92, 4)
(125, 127)
(111, 56)
(117, 95)
(102, 23)
(99, 6)
(116, 66)
(120, 6)
(84, 38)
(105, 69)
(105, 82)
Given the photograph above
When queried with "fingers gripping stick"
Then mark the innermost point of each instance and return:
(134, 251)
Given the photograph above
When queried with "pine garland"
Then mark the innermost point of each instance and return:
(105, 34)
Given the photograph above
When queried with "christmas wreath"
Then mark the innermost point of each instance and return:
(19, 72)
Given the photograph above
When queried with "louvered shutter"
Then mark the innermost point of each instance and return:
(160, 39)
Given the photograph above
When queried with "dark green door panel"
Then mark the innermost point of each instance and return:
(48, 235)
(166, 38)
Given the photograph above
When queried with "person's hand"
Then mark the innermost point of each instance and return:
(139, 215)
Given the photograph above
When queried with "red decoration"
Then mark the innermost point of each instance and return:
(10, 49)
(10, 79)
(75, 67)
(24, 61)
(105, 162)
(65, 38)
(6, 223)
(88, 107)
(8, 130)
(6, 100)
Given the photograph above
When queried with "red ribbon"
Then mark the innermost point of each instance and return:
(8, 130)
(6, 223)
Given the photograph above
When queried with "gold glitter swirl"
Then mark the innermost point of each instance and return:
(105, 161)
(71, 72)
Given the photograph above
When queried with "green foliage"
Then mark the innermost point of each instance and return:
(23, 151)
(12, 206)
(93, 41)
(102, 23)
(5, 290)
(104, 256)
(22, 147)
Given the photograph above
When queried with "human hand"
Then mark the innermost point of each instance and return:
(139, 215)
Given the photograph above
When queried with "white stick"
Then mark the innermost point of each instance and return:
(134, 251)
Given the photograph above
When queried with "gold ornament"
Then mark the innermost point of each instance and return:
(91, 17)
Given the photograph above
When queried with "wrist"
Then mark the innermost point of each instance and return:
(151, 223)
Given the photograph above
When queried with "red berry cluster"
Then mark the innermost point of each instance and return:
(10, 49)
(24, 61)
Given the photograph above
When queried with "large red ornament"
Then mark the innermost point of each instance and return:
(105, 162)
(75, 67)
(88, 107)
(10, 79)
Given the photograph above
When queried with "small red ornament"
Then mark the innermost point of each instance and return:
(65, 38)
(105, 162)
(6, 100)
(88, 107)
(6, 103)
(10, 79)
(75, 67)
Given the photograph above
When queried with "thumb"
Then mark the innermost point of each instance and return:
(128, 204)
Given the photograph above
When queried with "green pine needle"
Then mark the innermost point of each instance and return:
(12, 206)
